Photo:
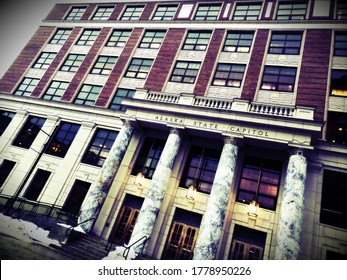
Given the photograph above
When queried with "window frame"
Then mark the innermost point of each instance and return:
(72, 63)
(121, 39)
(139, 70)
(88, 39)
(5, 120)
(229, 74)
(44, 60)
(154, 41)
(343, 43)
(207, 16)
(104, 15)
(76, 15)
(285, 45)
(277, 85)
(164, 16)
(27, 86)
(104, 67)
(290, 15)
(247, 17)
(87, 96)
(180, 74)
(60, 39)
(238, 46)
(338, 83)
(57, 91)
(129, 93)
(132, 16)
(195, 40)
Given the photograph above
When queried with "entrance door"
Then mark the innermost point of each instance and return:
(245, 251)
(125, 225)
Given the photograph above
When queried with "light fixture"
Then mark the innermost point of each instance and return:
(194, 185)
(253, 208)
(139, 179)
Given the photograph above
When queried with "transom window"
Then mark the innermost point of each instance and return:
(238, 42)
(118, 38)
(229, 75)
(56, 90)
(44, 60)
(88, 95)
(185, 72)
(60, 36)
(341, 9)
(165, 12)
(291, 11)
(247, 12)
(72, 62)
(139, 68)
(279, 78)
(285, 43)
(197, 41)
(207, 12)
(76, 13)
(121, 93)
(340, 46)
(88, 37)
(100, 147)
(26, 87)
(104, 65)
(260, 179)
(5, 119)
(132, 13)
(103, 13)
(152, 39)
(339, 83)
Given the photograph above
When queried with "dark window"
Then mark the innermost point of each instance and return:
(26, 87)
(104, 65)
(121, 93)
(100, 146)
(88, 95)
(76, 13)
(44, 60)
(55, 90)
(60, 36)
(76, 196)
(185, 72)
(5, 170)
(132, 13)
(278, 78)
(334, 196)
(337, 128)
(118, 38)
(37, 184)
(341, 9)
(62, 139)
(139, 68)
(339, 83)
(103, 13)
(72, 62)
(238, 42)
(285, 43)
(5, 119)
(340, 45)
(149, 157)
(229, 75)
(260, 179)
(201, 168)
(335, 256)
(247, 11)
(29, 132)
(152, 39)
(197, 41)
(88, 37)
(165, 12)
(291, 11)
(207, 12)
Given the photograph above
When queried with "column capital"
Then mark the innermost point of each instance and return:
(176, 130)
(233, 140)
(296, 151)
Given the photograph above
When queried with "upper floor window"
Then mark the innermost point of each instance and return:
(5, 119)
(229, 75)
(247, 11)
(103, 13)
(88, 95)
(260, 180)
(121, 93)
(340, 44)
(99, 147)
(44, 60)
(132, 13)
(279, 78)
(238, 42)
(341, 9)
(104, 65)
(185, 72)
(118, 38)
(60, 36)
(72, 62)
(62, 139)
(207, 12)
(88, 37)
(139, 68)
(337, 128)
(76, 13)
(165, 12)
(27, 86)
(55, 90)
(339, 82)
(197, 41)
(291, 11)
(152, 39)
(5, 170)
(29, 131)
(285, 43)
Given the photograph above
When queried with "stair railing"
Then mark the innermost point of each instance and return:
(69, 230)
(127, 248)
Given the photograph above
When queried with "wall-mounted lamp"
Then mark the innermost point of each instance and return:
(139, 179)
(192, 189)
(253, 208)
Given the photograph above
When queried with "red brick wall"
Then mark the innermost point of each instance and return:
(147, 12)
(117, 12)
(58, 12)
(313, 78)
(89, 12)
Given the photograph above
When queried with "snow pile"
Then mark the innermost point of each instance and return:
(117, 254)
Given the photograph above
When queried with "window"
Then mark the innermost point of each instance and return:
(247, 11)
(5, 170)
(229, 75)
(88, 37)
(340, 46)
(26, 87)
(44, 60)
(29, 132)
(5, 119)
(88, 95)
(149, 157)
(197, 41)
(76, 196)
(285, 43)
(291, 11)
(165, 12)
(185, 72)
(104, 65)
(62, 139)
(335, 256)
(337, 128)
(279, 78)
(334, 195)
(100, 146)
(60, 36)
(201, 168)
(260, 178)
(72, 62)
(238, 42)
(132, 13)
(56, 90)
(139, 68)
(152, 39)
(339, 83)
(103, 13)
(118, 38)
(121, 93)
(341, 9)
(207, 12)
(76, 13)
(37, 184)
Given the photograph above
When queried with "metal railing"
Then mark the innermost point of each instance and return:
(69, 229)
(127, 248)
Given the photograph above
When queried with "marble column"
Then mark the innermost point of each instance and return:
(97, 194)
(213, 219)
(292, 207)
(151, 205)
